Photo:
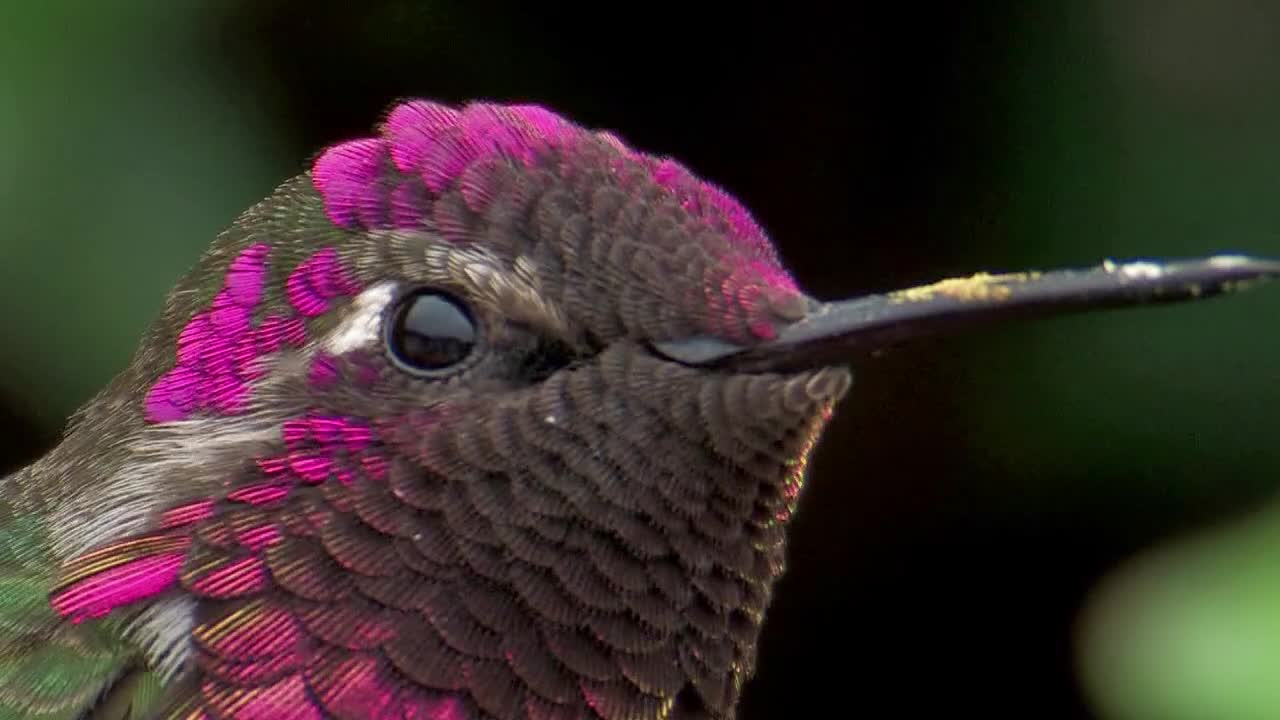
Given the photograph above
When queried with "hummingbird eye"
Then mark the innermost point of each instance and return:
(430, 331)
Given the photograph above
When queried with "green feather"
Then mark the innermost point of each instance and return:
(51, 669)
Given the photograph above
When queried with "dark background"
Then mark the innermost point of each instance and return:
(1040, 520)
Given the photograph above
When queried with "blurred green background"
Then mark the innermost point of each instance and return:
(1075, 518)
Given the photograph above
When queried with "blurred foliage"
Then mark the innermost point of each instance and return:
(122, 152)
(1153, 126)
(1191, 630)
(1121, 128)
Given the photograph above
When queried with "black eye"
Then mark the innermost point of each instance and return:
(430, 331)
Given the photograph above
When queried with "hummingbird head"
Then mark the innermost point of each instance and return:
(487, 416)
(442, 371)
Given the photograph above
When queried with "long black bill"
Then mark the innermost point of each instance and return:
(835, 333)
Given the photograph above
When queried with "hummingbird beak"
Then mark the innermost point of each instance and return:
(837, 332)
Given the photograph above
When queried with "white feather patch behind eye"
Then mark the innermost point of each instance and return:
(363, 324)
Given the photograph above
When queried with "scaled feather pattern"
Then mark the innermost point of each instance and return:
(595, 541)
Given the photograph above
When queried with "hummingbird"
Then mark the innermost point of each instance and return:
(486, 416)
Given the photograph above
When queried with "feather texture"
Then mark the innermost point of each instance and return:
(564, 525)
